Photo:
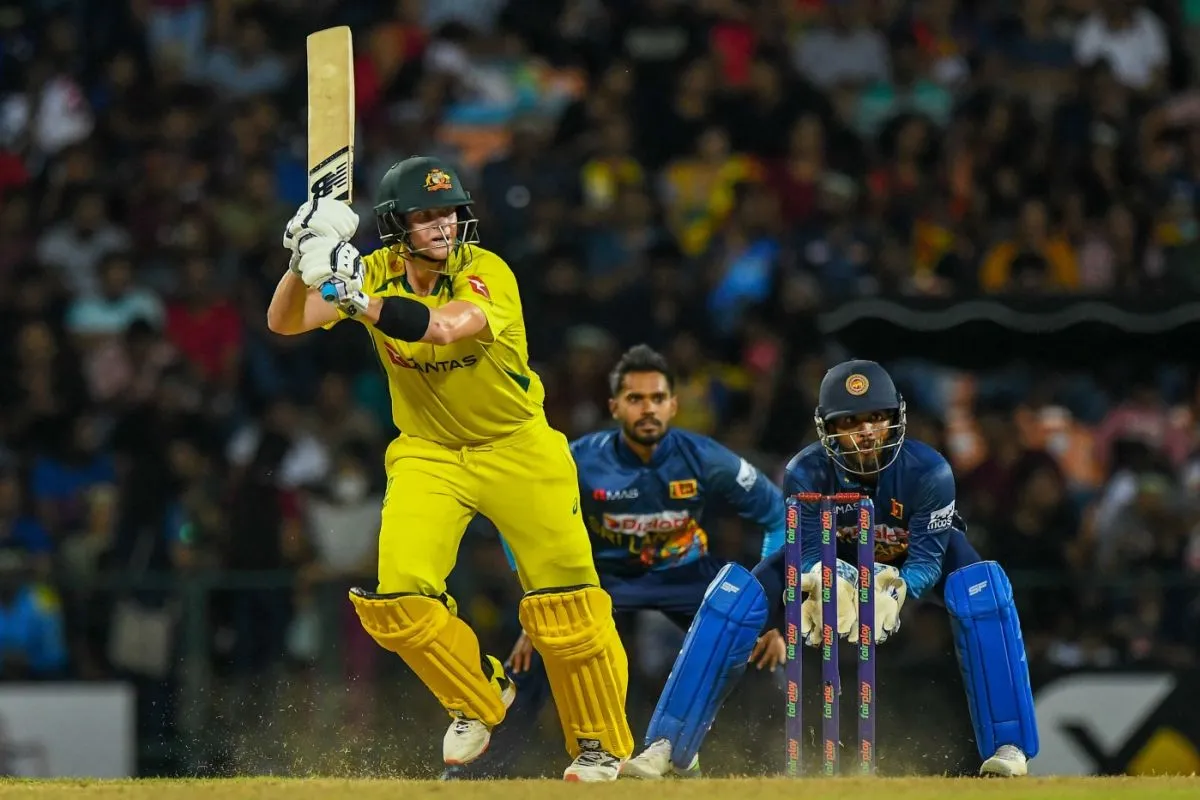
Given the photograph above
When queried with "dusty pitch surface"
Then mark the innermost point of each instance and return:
(722, 789)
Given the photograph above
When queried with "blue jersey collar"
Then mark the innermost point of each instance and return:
(848, 482)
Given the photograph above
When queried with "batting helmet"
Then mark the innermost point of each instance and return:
(421, 183)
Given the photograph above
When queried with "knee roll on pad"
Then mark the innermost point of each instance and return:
(438, 646)
(991, 657)
(573, 629)
(713, 657)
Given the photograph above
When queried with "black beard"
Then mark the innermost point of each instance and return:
(865, 461)
(645, 439)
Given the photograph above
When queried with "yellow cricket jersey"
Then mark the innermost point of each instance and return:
(475, 390)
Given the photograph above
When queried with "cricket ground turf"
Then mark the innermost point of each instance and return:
(715, 789)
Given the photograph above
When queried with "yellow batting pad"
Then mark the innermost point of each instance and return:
(438, 646)
(586, 663)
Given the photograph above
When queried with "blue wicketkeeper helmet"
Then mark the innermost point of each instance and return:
(860, 387)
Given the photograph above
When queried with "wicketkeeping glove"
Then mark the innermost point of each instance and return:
(890, 593)
(847, 603)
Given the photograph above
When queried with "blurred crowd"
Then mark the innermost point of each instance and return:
(706, 176)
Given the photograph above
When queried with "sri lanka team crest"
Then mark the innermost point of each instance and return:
(682, 490)
(437, 181)
(857, 384)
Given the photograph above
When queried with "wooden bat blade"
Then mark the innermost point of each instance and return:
(331, 113)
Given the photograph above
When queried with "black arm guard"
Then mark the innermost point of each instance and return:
(403, 318)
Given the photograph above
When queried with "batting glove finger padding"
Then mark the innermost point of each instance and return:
(322, 217)
(323, 260)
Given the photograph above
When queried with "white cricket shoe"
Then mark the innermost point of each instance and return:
(655, 762)
(468, 739)
(1008, 762)
(593, 766)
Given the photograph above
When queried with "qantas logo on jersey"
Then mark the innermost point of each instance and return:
(447, 365)
(614, 494)
(479, 287)
(647, 524)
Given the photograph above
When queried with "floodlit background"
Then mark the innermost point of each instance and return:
(996, 199)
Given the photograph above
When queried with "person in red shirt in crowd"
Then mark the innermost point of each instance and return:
(205, 326)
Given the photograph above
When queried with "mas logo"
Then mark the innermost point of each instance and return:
(615, 494)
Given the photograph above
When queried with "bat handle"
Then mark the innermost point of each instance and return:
(329, 292)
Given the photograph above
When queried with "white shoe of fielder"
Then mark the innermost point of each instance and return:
(1008, 762)
(593, 766)
(468, 739)
(655, 762)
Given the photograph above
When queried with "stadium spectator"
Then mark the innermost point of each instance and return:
(718, 178)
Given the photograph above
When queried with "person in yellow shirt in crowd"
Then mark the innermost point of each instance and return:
(1035, 259)
(700, 190)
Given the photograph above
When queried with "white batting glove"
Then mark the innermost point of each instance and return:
(324, 217)
(336, 269)
(847, 605)
(890, 593)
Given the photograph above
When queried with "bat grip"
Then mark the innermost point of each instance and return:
(329, 292)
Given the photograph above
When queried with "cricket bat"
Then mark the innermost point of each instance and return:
(331, 118)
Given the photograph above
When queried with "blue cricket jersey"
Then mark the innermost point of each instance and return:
(914, 510)
(650, 516)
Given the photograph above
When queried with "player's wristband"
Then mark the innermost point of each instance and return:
(403, 318)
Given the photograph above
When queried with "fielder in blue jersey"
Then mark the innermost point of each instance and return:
(921, 553)
(644, 490)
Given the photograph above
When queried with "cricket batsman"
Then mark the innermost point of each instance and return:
(444, 316)
(645, 488)
(921, 552)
